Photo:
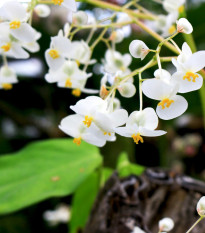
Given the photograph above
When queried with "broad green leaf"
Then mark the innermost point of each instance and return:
(84, 198)
(45, 169)
(125, 168)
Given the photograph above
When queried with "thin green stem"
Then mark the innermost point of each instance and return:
(195, 224)
(98, 39)
(140, 91)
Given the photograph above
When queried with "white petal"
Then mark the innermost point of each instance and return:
(124, 131)
(151, 119)
(185, 85)
(54, 63)
(156, 89)
(18, 52)
(71, 125)
(119, 117)
(176, 109)
(151, 133)
(62, 44)
(14, 11)
(127, 59)
(89, 91)
(24, 33)
(196, 62)
(70, 4)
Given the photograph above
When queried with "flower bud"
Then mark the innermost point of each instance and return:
(80, 18)
(184, 26)
(201, 206)
(166, 224)
(138, 49)
(117, 36)
(127, 90)
(6, 72)
(42, 10)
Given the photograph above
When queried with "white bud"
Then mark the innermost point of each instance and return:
(184, 26)
(80, 18)
(127, 90)
(201, 206)
(42, 10)
(166, 224)
(138, 230)
(117, 36)
(138, 49)
(116, 104)
(7, 72)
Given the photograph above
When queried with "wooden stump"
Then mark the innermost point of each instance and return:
(143, 201)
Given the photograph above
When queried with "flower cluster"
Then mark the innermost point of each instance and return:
(98, 119)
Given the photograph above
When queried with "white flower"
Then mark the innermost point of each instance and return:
(141, 123)
(7, 78)
(138, 230)
(184, 26)
(42, 10)
(59, 49)
(80, 18)
(80, 51)
(188, 65)
(138, 49)
(173, 5)
(70, 76)
(115, 61)
(166, 224)
(73, 125)
(16, 15)
(97, 111)
(201, 206)
(70, 4)
(164, 89)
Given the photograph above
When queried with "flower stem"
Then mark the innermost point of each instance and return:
(140, 91)
(195, 224)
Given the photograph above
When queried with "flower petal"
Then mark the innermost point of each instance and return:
(119, 117)
(196, 62)
(156, 89)
(54, 63)
(185, 85)
(151, 133)
(124, 131)
(70, 4)
(174, 110)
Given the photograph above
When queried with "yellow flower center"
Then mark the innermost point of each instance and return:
(172, 29)
(137, 138)
(165, 103)
(78, 63)
(181, 9)
(106, 133)
(88, 120)
(54, 53)
(58, 2)
(77, 141)
(6, 47)
(188, 76)
(7, 86)
(15, 24)
(68, 83)
(76, 92)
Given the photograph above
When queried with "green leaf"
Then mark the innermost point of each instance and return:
(84, 198)
(125, 168)
(41, 170)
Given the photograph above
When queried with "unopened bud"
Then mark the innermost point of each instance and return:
(117, 36)
(166, 224)
(127, 90)
(42, 10)
(201, 206)
(80, 18)
(184, 26)
(138, 49)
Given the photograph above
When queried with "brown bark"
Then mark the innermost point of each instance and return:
(143, 201)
